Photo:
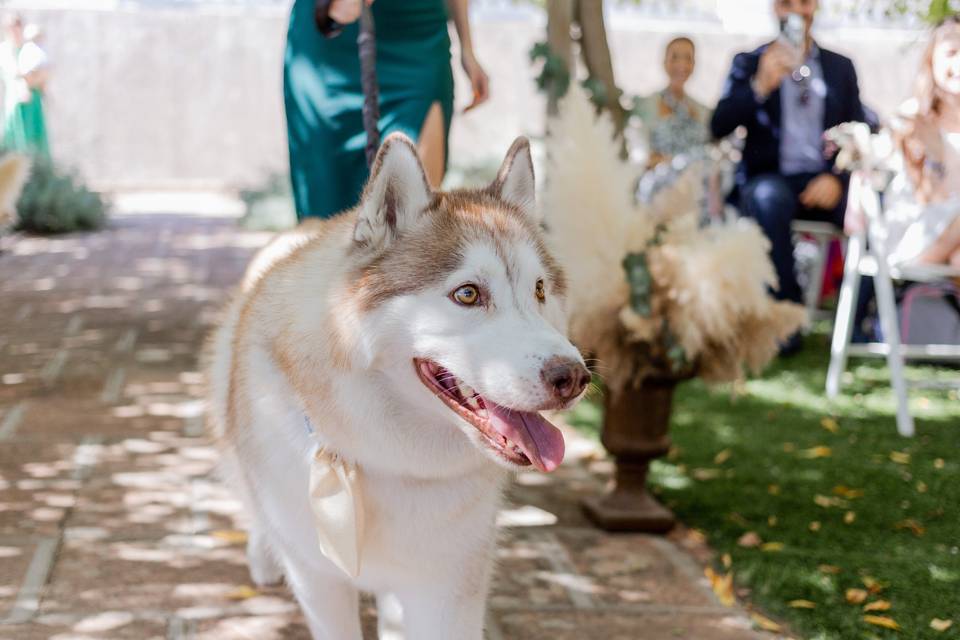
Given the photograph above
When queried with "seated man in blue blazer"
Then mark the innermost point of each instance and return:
(786, 99)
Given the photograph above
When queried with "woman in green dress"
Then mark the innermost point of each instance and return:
(323, 96)
(24, 69)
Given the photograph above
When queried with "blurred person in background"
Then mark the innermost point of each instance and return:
(786, 94)
(673, 122)
(923, 214)
(324, 98)
(24, 68)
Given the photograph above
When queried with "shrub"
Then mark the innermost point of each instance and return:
(269, 206)
(55, 201)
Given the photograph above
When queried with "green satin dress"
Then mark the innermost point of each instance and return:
(24, 126)
(324, 99)
(25, 129)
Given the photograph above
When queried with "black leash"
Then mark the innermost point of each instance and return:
(367, 45)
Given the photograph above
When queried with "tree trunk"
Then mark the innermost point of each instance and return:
(596, 55)
(559, 19)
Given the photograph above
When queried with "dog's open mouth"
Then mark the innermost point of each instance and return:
(521, 437)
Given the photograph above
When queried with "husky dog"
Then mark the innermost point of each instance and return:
(405, 349)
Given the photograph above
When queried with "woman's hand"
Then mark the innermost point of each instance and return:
(479, 81)
(922, 146)
(925, 140)
(346, 11)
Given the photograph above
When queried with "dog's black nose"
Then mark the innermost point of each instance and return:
(565, 379)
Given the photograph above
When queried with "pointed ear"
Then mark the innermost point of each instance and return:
(515, 182)
(396, 193)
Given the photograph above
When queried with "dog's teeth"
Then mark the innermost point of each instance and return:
(473, 403)
(466, 391)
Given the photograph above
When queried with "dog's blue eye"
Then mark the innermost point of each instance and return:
(467, 295)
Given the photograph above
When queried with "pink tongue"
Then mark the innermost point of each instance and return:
(538, 439)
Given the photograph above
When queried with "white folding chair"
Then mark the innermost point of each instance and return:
(865, 256)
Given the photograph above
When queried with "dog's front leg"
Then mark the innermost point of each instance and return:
(454, 603)
(330, 604)
(436, 614)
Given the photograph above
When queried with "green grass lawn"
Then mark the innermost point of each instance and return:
(846, 502)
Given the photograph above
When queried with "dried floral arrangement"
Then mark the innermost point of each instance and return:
(651, 292)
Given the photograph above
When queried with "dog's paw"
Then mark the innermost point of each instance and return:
(265, 572)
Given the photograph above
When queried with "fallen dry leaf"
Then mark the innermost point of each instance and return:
(243, 593)
(749, 540)
(722, 586)
(849, 517)
(856, 596)
(911, 525)
(722, 457)
(230, 536)
(827, 501)
(874, 585)
(789, 447)
(772, 547)
(830, 424)
(726, 560)
(765, 623)
(847, 492)
(772, 521)
(922, 487)
(940, 625)
(830, 569)
(736, 518)
(900, 457)
(877, 605)
(882, 621)
(773, 489)
(706, 474)
(939, 464)
(814, 526)
(697, 536)
(816, 452)
(802, 604)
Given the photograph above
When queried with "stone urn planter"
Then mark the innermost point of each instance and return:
(635, 431)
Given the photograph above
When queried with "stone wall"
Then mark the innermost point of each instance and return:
(191, 97)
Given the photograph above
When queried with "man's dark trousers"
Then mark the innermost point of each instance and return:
(773, 201)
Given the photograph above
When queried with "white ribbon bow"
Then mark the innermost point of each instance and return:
(337, 509)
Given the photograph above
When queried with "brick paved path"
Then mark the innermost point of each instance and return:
(113, 526)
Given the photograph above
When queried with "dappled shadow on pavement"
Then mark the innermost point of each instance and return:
(112, 521)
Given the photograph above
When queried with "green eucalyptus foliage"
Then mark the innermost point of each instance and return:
(640, 281)
(941, 9)
(554, 77)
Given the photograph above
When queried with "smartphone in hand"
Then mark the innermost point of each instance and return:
(792, 30)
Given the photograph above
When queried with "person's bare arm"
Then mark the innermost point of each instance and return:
(460, 15)
(37, 79)
(346, 11)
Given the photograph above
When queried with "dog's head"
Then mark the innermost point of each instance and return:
(462, 307)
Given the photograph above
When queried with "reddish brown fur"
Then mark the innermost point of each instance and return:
(455, 218)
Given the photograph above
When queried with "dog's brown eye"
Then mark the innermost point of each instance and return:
(467, 295)
(541, 294)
